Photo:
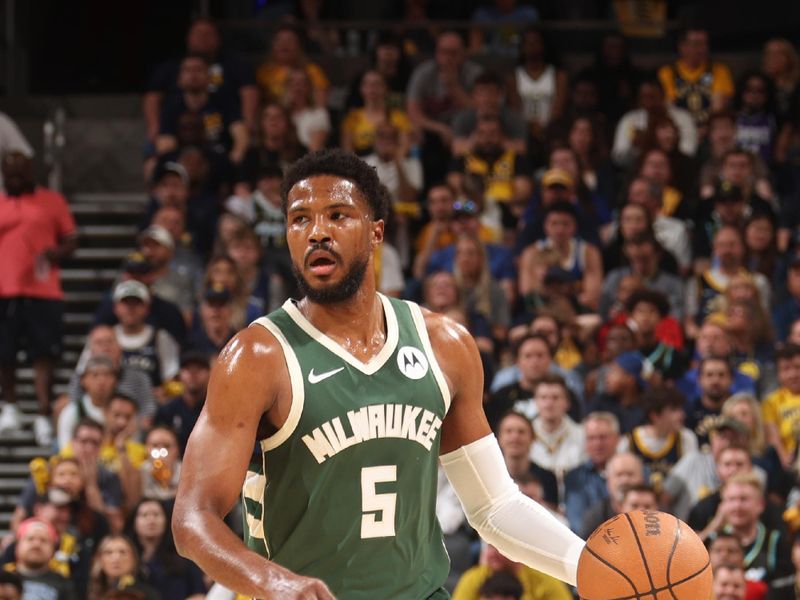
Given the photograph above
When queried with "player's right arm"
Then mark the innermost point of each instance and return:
(249, 380)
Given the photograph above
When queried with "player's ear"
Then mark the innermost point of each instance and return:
(377, 232)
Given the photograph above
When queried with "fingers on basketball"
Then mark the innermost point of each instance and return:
(646, 554)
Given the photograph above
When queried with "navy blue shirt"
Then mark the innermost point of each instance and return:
(584, 486)
(179, 416)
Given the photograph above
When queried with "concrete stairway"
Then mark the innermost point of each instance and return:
(107, 226)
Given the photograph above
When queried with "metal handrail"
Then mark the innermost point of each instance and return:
(55, 140)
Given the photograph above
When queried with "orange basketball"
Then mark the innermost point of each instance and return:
(644, 554)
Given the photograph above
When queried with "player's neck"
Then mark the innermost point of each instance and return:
(356, 324)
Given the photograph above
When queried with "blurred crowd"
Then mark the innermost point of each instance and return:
(622, 245)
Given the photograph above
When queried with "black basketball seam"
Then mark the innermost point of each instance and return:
(636, 593)
(641, 553)
(672, 553)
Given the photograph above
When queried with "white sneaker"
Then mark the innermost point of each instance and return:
(43, 431)
(10, 418)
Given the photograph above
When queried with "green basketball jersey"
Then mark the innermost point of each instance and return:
(346, 489)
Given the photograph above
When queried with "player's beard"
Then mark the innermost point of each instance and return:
(336, 292)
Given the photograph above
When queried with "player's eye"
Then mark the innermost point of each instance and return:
(299, 219)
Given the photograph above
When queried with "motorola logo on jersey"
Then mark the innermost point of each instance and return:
(412, 362)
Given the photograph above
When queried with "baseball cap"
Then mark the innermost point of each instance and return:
(634, 363)
(194, 357)
(724, 422)
(136, 264)
(217, 292)
(171, 167)
(557, 177)
(158, 234)
(131, 289)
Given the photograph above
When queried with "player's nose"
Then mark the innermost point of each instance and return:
(319, 231)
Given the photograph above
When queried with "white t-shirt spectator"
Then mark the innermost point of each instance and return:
(310, 121)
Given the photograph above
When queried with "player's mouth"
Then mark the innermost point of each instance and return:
(321, 263)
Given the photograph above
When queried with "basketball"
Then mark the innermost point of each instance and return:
(644, 554)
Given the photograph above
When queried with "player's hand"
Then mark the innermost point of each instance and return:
(286, 585)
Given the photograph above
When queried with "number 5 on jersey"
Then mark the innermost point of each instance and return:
(372, 502)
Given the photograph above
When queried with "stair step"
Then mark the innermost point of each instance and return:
(88, 274)
(59, 373)
(83, 296)
(89, 254)
(75, 341)
(13, 484)
(25, 390)
(9, 470)
(8, 500)
(22, 453)
(78, 319)
(108, 231)
(108, 199)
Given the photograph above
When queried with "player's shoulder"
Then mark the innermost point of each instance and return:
(252, 345)
(446, 333)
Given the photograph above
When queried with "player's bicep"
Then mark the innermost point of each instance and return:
(460, 360)
(222, 441)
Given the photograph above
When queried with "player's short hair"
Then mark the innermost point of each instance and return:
(656, 399)
(653, 297)
(345, 165)
(606, 417)
(502, 584)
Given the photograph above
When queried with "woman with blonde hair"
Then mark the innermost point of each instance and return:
(746, 409)
(116, 567)
(781, 63)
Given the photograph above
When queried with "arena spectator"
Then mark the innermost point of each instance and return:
(695, 475)
(116, 568)
(225, 132)
(596, 172)
(162, 469)
(780, 407)
(150, 349)
(643, 254)
(503, 170)
(487, 101)
(780, 62)
(185, 263)
(158, 248)
(212, 326)
(647, 309)
(584, 485)
(515, 436)
(36, 546)
(622, 471)
(629, 139)
(761, 239)
(10, 585)
(615, 75)
(229, 77)
(767, 549)
(389, 59)
(787, 312)
(538, 87)
(98, 380)
(638, 497)
(694, 82)
(37, 233)
(662, 440)
(729, 583)
(437, 90)
(11, 140)
(244, 248)
(623, 385)
(163, 569)
(276, 144)
(655, 166)
(359, 126)
(559, 445)
(285, 55)
(756, 117)
(131, 381)
(535, 585)
(501, 586)
(311, 122)
(181, 412)
(715, 381)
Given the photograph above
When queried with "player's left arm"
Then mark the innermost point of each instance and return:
(520, 528)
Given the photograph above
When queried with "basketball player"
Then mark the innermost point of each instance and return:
(352, 397)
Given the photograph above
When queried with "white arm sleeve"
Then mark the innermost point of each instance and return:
(517, 526)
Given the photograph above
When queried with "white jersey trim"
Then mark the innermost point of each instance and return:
(372, 365)
(298, 389)
(422, 332)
